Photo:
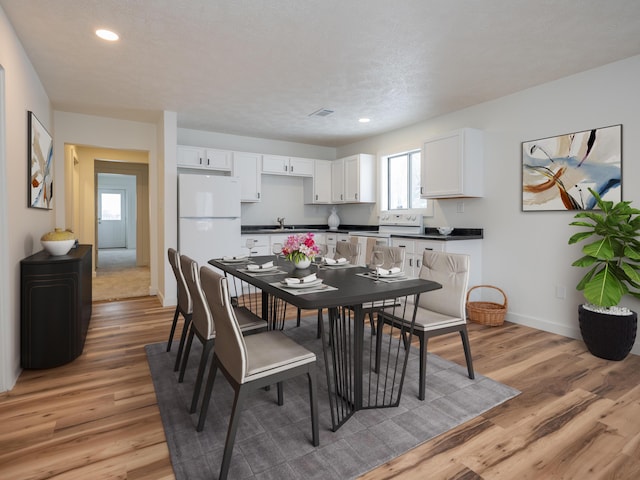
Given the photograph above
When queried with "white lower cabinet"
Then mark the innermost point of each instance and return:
(415, 249)
(260, 244)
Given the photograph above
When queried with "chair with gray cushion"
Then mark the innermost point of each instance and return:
(348, 250)
(440, 311)
(184, 307)
(203, 326)
(252, 362)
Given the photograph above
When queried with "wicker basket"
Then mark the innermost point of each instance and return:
(486, 313)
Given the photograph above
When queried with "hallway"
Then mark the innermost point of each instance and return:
(118, 277)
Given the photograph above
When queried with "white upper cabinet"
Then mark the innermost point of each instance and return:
(204, 158)
(281, 165)
(317, 189)
(247, 167)
(452, 165)
(353, 179)
(337, 181)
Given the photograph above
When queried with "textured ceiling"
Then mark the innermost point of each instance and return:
(260, 67)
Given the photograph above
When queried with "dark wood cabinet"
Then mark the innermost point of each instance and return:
(55, 306)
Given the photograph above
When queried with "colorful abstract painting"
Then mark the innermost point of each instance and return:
(40, 165)
(557, 172)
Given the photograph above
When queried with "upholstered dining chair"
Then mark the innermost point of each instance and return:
(252, 362)
(348, 250)
(439, 312)
(393, 258)
(203, 326)
(184, 306)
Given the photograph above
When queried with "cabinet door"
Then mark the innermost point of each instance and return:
(275, 164)
(351, 179)
(247, 167)
(301, 167)
(322, 181)
(409, 255)
(441, 168)
(337, 181)
(192, 157)
(452, 165)
(218, 159)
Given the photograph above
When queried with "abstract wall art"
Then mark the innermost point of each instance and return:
(557, 172)
(40, 165)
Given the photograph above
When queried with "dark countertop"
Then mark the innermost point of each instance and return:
(430, 233)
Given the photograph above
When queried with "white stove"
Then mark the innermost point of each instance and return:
(398, 223)
(394, 223)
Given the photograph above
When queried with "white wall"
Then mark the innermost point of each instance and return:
(21, 227)
(526, 254)
(78, 129)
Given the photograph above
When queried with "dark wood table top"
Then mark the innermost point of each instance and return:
(351, 288)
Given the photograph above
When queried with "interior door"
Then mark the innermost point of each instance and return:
(112, 218)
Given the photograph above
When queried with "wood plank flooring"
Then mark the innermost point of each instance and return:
(578, 416)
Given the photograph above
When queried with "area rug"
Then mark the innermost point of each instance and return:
(275, 442)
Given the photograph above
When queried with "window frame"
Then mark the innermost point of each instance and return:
(385, 180)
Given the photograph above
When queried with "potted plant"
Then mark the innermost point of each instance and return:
(300, 249)
(613, 259)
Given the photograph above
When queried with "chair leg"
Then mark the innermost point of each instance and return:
(298, 319)
(313, 399)
(423, 365)
(206, 350)
(467, 352)
(241, 394)
(173, 329)
(207, 393)
(280, 394)
(185, 358)
(183, 337)
(320, 318)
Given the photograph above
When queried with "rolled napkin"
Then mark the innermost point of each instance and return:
(260, 267)
(295, 281)
(238, 257)
(331, 261)
(388, 271)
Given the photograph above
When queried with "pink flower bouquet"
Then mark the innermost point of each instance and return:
(300, 246)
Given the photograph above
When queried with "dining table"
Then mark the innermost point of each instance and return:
(348, 293)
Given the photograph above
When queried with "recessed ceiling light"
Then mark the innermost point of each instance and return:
(107, 35)
(364, 120)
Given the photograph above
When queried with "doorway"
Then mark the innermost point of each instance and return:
(121, 226)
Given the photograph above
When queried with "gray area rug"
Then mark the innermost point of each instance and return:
(275, 442)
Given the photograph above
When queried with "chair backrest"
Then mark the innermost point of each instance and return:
(451, 270)
(393, 256)
(230, 347)
(184, 298)
(348, 250)
(201, 317)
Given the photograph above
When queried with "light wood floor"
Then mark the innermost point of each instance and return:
(578, 416)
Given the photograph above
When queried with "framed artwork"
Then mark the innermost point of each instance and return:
(40, 165)
(557, 172)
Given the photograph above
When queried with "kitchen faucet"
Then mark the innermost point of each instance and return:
(280, 220)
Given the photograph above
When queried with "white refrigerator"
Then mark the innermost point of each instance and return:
(208, 216)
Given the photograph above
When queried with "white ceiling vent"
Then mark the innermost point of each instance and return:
(323, 112)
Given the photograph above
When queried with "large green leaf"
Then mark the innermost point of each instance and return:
(601, 249)
(604, 289)
(577, 237)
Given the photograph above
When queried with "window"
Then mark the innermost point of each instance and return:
(402, 174)
(111, 204)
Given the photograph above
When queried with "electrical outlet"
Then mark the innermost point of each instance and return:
(460, 207)
(561, 292)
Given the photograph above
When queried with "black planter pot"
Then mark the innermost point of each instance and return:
(608, 336)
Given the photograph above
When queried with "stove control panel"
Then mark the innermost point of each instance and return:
(401, 219)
